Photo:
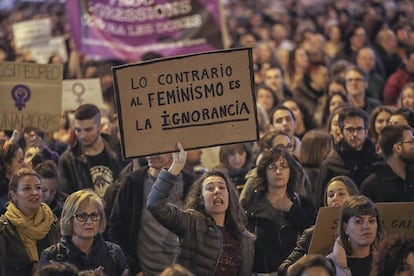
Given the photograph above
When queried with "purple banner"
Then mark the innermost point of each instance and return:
(127, 29)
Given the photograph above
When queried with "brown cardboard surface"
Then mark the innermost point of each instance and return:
(30, 95)
(397, 218)
(200, 100)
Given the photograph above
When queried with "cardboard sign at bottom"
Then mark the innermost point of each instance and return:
(397, 218)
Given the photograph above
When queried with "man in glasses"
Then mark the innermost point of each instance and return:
(355, 153)
(393, 179)
(356, 82)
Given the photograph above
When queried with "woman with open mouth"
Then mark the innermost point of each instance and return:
(211, 227)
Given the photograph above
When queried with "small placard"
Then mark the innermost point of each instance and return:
(30, 95)
(81, 91)
(32, 32)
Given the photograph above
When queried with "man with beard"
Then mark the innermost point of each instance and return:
(355, 153)
(393, 179)
(93, 161)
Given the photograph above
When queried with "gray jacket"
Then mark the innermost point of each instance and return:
(200, 238)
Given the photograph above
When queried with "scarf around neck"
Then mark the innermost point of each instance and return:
(31, 229)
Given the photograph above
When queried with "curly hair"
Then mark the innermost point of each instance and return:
(391, 255)
(235, 219)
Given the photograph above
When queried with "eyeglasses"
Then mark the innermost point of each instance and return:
(83, 217)
(407, 142)
(355, 80)
(275, 168)
(287, 147)
(351, 130)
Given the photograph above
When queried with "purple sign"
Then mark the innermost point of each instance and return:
(128, 29)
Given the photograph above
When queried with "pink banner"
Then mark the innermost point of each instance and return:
(127, 29)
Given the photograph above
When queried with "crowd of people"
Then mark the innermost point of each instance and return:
(334, 85)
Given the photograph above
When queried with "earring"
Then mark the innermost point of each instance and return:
(348, 239)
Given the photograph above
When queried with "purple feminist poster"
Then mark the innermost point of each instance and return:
(128, 29)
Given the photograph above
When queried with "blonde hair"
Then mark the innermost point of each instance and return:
(71, 207)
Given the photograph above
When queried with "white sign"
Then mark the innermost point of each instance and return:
(56, 45)
(81, 91)
(32, 32)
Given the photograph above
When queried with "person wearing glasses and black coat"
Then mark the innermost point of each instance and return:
(82, 223)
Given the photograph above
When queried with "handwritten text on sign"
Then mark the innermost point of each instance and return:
(201, 100)
(30, 95)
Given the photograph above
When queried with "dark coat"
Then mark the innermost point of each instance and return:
(74, 167)
(349, 162)
(14, 259)
(103, 253)
(201, 239)
(383, 185)
(125, 219)
(276, 231)
(300, 250)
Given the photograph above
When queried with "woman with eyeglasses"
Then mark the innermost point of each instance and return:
(81, 225)
(276, 214)
(276, 138)
(27, 227)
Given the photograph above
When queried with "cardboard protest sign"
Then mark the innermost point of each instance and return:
(128, 29)
(397, 218)
(200, 100)
(81, 91)
(31, 32)
(325, 231)
(30, 95)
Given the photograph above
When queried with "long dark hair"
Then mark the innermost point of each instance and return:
(270, 156)
(235, 220)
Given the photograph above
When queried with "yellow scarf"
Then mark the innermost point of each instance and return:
(31, 229)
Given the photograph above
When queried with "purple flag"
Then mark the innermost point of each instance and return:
(127, 29)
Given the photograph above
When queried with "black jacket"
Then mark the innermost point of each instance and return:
(385, 186)
(275, 237)
(14, 259)
(358, 165)
(74, 167)
(125, 219)
(300, 250)
(103, 253)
